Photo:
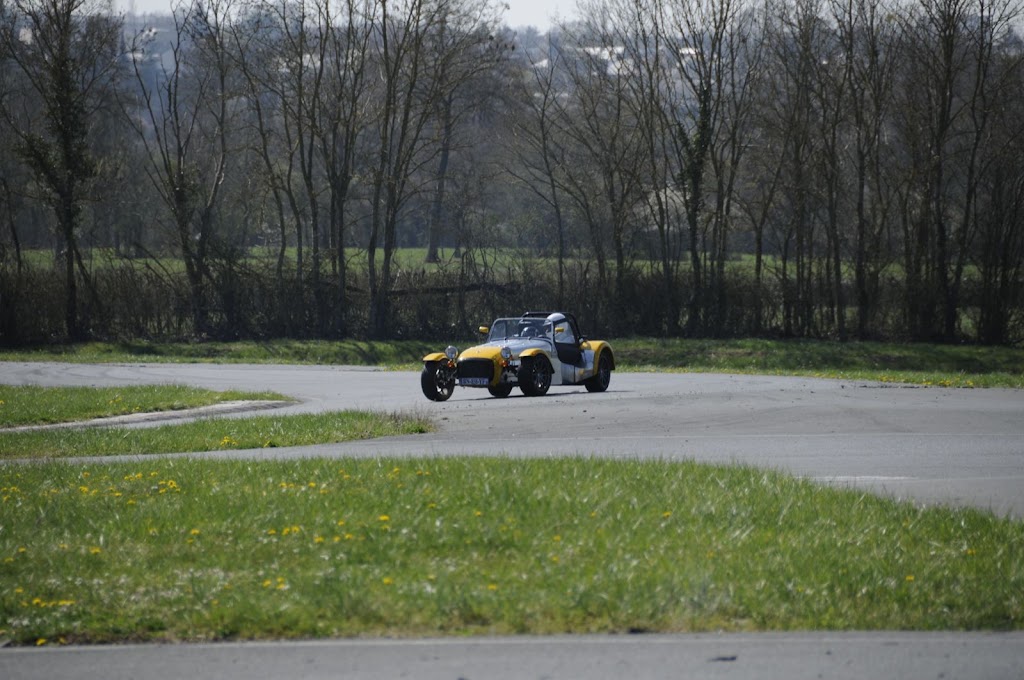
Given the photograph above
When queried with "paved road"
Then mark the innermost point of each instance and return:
(772, 656)
(960, 447)
(930, 445)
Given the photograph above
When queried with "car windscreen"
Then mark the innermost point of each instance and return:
(503, 329)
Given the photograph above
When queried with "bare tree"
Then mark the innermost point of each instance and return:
(947, 115)
(538, 160)
(342, 122)
(183, 121)
(604, 178)
(708, 59)
(408, 96)
(467, 51)
(790, 122)
(67, 52)
(870, 51)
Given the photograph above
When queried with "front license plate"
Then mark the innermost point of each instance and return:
(474, 382)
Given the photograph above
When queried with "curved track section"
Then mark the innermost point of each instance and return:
(930, 445)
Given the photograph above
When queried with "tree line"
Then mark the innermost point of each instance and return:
(404, 168)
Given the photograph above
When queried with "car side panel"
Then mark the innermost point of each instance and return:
(557, 368)
(592, 352)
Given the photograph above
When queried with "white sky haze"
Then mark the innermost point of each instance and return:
(537, 13)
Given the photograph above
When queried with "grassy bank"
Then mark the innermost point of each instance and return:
(34, 405)
(194, 550)
(922, 364)
(220, 434)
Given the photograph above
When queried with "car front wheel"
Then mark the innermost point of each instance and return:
(501, 390)
(535, 377)
(437, 381)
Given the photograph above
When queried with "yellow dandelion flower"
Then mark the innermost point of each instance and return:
(492, 586)
(195, 532)
(384, 518)
(318, 539)
(95, 551)
(40, 642)
(910, 578)
(387, 580)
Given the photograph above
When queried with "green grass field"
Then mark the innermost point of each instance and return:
(187, 550)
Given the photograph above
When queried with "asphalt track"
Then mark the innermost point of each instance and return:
(922, 445)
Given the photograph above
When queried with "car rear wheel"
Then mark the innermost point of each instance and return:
(601, 379)
(535, 377)
(437, 381)
(501, 390)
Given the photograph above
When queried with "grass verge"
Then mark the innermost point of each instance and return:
(199, 550)
(209, 435)
(34, 405)
(918, 363)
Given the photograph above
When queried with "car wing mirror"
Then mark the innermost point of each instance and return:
(484, 330)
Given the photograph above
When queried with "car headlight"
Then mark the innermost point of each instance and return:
(451, 352)
(506, 353)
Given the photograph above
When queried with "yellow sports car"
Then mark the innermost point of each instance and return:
(533, 351)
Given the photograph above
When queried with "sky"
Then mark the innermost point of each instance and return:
(537, 13)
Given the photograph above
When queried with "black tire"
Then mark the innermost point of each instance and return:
(501, 390)
(535, 376)
(601, 379)
(437, 381)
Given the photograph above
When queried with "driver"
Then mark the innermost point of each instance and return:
(529, 330)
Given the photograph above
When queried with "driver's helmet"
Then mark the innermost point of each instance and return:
(556, 318)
